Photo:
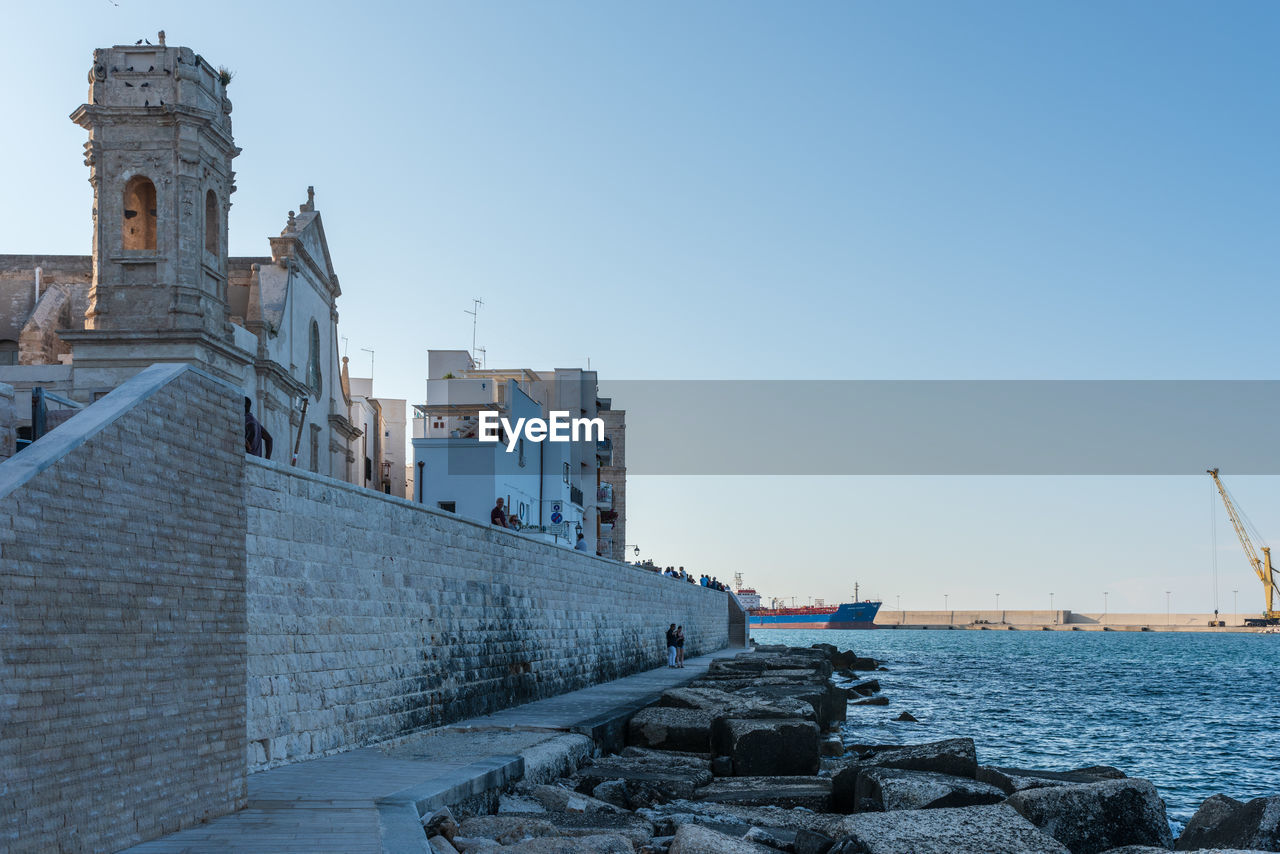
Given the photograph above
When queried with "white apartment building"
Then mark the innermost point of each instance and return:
(553, 487)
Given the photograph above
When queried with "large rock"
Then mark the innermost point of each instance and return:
(645, 782)
(812, 793)
(1010, 780)
(695, 839)
(1223, 822)
(507, 828)
(956, 757)
(767, 747)
(734, 684)
(791, 676)
(1092, 817)
(761, 663)
(865, 688)
(970, 830)
(671, 729)
(663, 758)
(885, 789)
(668, 817)
(636, 828)
(829, 702)
(604, 843)
(560, 799)
(726, 704)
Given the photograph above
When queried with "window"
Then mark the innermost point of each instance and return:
(566, 472)
(211, 241)
(139, 225)
(315, 379)
(520, 446)
(8, 352)
(448, 506)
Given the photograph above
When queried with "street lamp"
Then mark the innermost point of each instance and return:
(998, 607)
(1167, 614)
(1104, 607)
(1052, 613)
(1235, 605)
(946, 606)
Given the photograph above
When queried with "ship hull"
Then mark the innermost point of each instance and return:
(852, 615)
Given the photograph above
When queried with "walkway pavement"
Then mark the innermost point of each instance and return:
(368, 801)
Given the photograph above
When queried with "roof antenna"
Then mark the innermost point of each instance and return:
(474, 311)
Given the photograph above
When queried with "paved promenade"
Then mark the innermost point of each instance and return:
(367, 801)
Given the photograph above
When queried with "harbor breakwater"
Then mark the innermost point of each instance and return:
(1064, 621)
(747, 760)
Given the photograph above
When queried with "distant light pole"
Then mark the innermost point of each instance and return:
(1104, 607)
(998, 607)
(899, 598)
(1235, 605)
(1052, 613)
(1168, 617)
(946, 606)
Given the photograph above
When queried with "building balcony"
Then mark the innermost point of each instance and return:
(463, 396)
(604, 452)
(604, 496)
(575, 495)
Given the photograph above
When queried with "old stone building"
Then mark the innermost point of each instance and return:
(159, 285)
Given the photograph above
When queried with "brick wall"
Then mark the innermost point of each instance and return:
(123, 616)
(371, 616)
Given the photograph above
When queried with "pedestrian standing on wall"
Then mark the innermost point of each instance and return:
(679, 646)
(257, 441)
(671, 645)
(497, 515)
(581, 545)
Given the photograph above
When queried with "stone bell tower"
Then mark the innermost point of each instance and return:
(159, 157)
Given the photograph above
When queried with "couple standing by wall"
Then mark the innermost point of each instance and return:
(675, 646)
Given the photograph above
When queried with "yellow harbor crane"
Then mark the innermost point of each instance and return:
(1262, 567)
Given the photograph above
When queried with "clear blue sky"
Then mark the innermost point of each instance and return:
(745, 190)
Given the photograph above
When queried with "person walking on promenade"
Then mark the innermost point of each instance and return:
(679, 646)
(671, 645)
(497, 515)
(581, 545)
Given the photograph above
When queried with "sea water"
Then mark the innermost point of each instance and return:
(1195, 713)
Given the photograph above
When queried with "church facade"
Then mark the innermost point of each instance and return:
(159, 285)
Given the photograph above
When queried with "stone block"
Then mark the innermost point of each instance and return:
(969, 830)
(1223, 822)
(767, 747)
(813, 793)
(1092, 817)
(885, 789)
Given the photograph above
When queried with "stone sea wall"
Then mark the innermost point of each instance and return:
(371, 616)
(174, 615)
(122, 619)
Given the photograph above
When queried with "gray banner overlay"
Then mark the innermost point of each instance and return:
(1059, 427)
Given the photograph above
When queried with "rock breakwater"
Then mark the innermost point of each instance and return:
(748, 760)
